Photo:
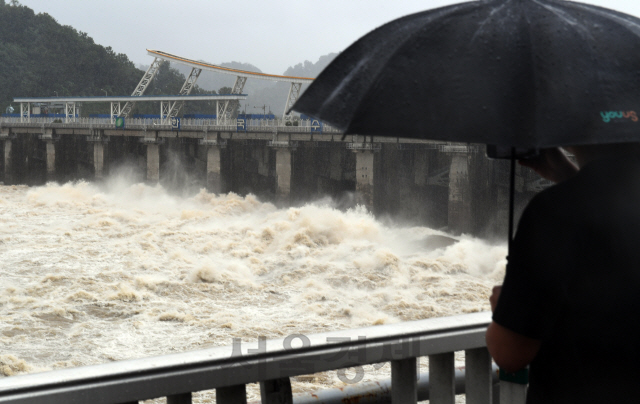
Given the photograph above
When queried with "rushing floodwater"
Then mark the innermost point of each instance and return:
(95, 274)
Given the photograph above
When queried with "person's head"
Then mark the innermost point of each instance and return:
(587, 153)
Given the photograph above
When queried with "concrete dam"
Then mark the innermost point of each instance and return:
(441, 185)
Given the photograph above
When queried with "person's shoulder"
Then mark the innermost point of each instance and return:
(590, 179)
(554, 204)
(591, 187)
(549, 199)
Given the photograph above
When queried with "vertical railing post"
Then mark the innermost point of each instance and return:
(276, 391)
(513, 386)
(404, 381)
(442, 379)
(184, 398)
(232, 395)
(478, 382)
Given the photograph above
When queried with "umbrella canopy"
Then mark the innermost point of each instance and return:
(519, 73)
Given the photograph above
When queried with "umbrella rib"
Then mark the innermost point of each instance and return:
(632, 25)
(561, 14)
(486, 20)
(347, 80)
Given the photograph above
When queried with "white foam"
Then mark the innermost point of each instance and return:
(95, 274)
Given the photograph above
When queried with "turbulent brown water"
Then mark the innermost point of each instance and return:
(92, 274)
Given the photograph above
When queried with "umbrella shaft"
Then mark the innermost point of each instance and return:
(512, 185)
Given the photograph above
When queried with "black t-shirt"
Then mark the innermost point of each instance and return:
(573, 282)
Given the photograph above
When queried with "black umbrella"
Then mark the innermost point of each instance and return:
(518, 74)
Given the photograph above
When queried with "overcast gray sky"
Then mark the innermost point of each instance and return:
(271, 34)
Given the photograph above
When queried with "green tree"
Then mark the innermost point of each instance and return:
(200, 107)
(39, 58)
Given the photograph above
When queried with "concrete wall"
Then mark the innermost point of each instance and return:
(214, 170)
(251, 169)
(323, 169)
(284, 168)
(24, 160)
(125, 155)
(5, 161)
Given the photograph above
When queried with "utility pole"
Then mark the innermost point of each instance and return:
(264, 110)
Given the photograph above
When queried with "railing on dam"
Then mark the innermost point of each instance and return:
(275, 125)
(273, 362)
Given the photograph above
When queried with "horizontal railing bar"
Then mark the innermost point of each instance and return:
(228, 132)
(235, 365)
(173, 381)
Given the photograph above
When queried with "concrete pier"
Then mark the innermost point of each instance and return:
(51, 160)
(364, 178)
(502, 212)
(98, 160)
(421, 170)
(8, 163)
(283, 175)
(215, 180)
(460, 220)
(153, 162)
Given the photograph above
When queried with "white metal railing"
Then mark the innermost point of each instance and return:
(213, 142)
(364, 146)
(273, 362)
(275, 125)
(282, 143)
(456, 148)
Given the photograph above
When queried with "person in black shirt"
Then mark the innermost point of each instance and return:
(572, 286)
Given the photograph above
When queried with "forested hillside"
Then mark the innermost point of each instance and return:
(41, 58)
